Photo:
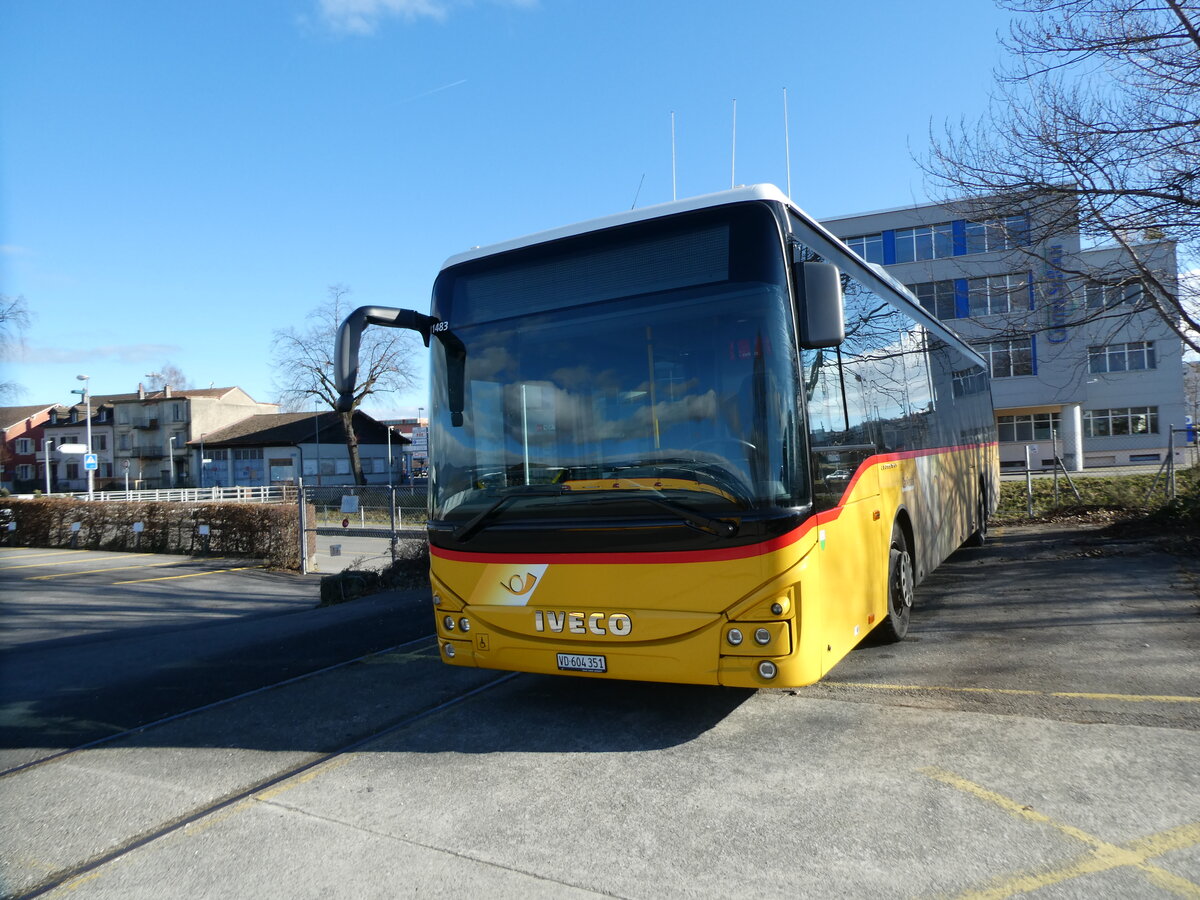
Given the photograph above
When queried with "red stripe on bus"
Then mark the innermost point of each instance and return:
(746, 551)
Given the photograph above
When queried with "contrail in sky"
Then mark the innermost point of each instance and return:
(436, 90)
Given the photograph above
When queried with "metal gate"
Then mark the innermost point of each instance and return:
(358, 526)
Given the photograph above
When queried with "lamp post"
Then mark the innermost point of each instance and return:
(87, 399)
(171, 458)
(202, 460)
(46, 442)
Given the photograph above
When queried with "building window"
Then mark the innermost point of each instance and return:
(1029, 427)
(123, 441)
(24, 472)
(24, 446)
(1104, 296)
(122, 415)
(998, 294)
(100, 442)
(176, 412)
(72, 470)
(1117, 422)
(997, 234)
(1131, 357)
(924, 242)
(214, 455)
(937, 297)
(249, 453)
(868, 246)
(1007, 359)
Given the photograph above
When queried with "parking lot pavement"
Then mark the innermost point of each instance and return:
(1036, 736)
(94, 643)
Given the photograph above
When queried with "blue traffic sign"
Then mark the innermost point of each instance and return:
(90, 462)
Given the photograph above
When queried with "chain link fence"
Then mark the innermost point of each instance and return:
(359, 526)
(1123, 472)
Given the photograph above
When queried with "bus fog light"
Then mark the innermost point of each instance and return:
(464, 624)
(437, 599)
(450, 653)
(777, 609)
(734, 637)
(762, 636)
(768, 669)
(448, 623)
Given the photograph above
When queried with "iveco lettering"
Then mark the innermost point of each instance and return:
(699, 442)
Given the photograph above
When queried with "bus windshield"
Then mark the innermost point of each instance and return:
(644, 373)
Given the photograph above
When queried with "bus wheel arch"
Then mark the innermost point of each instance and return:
(901, 581)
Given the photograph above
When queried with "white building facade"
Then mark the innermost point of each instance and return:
(1082, 367)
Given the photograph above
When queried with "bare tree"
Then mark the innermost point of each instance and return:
(1095, 124)
(14, 319)
(303, 360)
(168, 374)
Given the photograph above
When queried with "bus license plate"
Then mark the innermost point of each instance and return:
(575, 662)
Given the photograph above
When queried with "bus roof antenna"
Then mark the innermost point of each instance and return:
(787, 146)
(638, 192)
(733, 154)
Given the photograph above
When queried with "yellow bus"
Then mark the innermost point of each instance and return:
(700, 442)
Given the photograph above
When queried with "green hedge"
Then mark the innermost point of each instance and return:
(266, 531)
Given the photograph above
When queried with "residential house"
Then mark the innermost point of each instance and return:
(152, 430)
(279, 448)
(22, 439)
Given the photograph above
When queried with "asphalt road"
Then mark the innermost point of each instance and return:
(1035, 735)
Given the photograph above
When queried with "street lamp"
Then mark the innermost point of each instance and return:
(171, 458)
(202, 460)
(46, 442)
(87, 399)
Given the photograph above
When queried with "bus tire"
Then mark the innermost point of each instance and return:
(900, 588)
(978, 537)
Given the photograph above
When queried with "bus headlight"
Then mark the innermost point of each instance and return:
(762, 636)
(464, 625)
(768, 669)
(734, 637)
(448, 623)
(450, 651)
(437, 599)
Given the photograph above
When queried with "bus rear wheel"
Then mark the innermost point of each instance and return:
(900, 588)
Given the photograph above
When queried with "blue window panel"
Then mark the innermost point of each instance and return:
(889, 248)
(1029, 280)
(958, 229)
(1033, 351)
(962, 302)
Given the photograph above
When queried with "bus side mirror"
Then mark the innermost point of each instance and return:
(821, 313)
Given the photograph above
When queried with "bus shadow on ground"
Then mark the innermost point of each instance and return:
(542, 713)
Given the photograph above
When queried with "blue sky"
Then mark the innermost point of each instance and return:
(180, 179)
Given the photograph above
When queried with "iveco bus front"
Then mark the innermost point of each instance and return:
(621, 473)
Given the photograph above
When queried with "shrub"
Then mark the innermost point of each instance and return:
(267, 531)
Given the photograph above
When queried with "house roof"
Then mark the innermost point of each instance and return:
(14, 415)
(268, 429)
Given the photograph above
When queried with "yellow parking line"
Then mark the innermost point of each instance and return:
(66, 562)
(1070, 695)
(5, 556)
(1103, 857)
(173, 562)
(192, 575)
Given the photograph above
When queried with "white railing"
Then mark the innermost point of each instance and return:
(266, 494)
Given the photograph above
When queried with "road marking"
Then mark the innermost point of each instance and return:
(192, 575)
(67, 562)
(173, 562)
(1014, 692)
(5, 556)
(1103, 857)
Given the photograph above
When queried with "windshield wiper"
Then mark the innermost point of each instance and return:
(694, 518)
(478, 522)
